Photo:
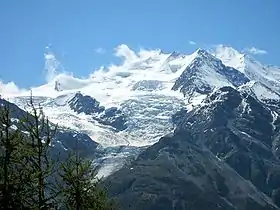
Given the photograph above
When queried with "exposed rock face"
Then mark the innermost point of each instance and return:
(86, 104)
(240, 130)
(114, 117)
(71, 141)
(90, 106)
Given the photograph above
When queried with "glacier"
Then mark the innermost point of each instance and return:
(148, 88)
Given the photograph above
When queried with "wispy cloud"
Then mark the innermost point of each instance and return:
(192, 42)
(256, 51)
(52, 66)
(100, 50)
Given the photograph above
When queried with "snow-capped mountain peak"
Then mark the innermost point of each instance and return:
(267, 75)
(227, 51)
(138, 94)
(229, 56)
(205, 73)
(132, 105)
(203, 53)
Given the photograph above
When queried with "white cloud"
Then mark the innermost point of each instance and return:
(192, 42)
(100, 50)
(256, 51)
(124, 51)
(144, 53)
(9, 89)
(133, 66)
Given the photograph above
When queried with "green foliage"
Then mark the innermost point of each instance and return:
(39, 167)
(80, 189)
(11, 160)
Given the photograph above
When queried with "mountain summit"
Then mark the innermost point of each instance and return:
(208, 121)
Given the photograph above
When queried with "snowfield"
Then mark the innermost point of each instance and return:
(141, 88)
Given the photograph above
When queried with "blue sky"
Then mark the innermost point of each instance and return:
(76, 29)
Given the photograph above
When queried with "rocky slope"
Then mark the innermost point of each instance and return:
(222, 155)
(205, 73)
(65, 140)
(177, 174)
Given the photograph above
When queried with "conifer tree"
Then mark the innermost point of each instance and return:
(28, 176)
(80, 189)
(40, 167)
(12, 161)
